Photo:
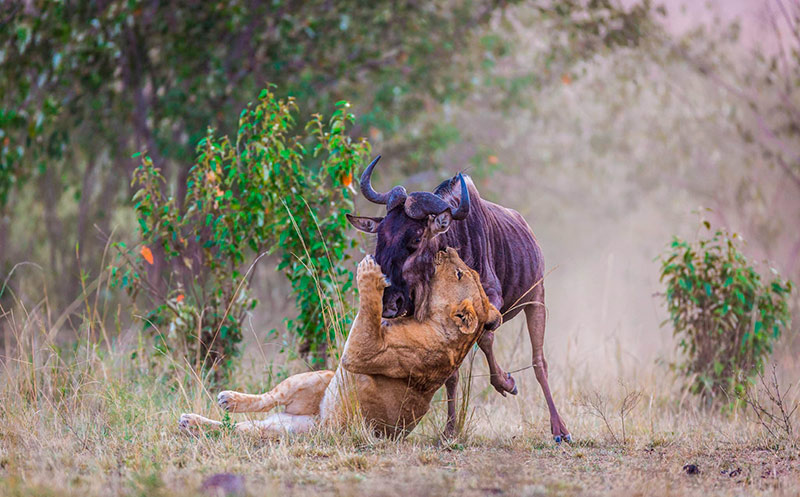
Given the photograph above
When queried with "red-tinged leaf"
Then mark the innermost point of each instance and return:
(147, 254)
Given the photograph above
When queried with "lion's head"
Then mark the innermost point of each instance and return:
(456, 291)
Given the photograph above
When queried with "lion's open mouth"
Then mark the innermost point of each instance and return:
(397, 316)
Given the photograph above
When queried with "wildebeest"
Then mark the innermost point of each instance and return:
(492, 239)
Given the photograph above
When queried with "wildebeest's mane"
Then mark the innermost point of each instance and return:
(450, 189)
(445, 188)
(417, 272)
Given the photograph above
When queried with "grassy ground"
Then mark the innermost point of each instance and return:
(105, 423)
(86, 418)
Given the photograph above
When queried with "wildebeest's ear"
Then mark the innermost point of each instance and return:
(464, 317)
(365, 224)
(440, 223)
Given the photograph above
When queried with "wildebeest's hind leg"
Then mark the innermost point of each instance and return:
(300, 393)
(536, 315)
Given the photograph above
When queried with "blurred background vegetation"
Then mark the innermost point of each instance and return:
(602, 125)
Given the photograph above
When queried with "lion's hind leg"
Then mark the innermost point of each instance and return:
(300, 393)
(279, 423)
(276, 424)
(195, 423)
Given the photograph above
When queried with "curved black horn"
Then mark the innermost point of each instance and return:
(463, 207)
(366, 185)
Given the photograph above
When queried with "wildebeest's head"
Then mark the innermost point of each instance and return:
(407, 240)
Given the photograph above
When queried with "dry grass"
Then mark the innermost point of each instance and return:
(96, 418)
(105, 424)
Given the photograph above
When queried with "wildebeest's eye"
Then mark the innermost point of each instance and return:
(459, 274)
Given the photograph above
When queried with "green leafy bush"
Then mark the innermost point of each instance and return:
(726, 316)
(270, 191)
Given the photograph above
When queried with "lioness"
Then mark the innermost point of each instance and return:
(392, 368)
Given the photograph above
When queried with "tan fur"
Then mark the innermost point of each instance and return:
(389, 370)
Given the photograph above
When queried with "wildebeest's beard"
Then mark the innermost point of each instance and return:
(399, 237)
(417, 272)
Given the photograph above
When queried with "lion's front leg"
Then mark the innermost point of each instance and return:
(366, 339)
(371, 282)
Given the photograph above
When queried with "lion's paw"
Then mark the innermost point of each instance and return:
(191, 423)
(229, 400)
(369, 275)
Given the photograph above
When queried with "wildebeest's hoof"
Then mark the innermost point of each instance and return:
(514, 390)
(449, 431)
(559, 430)
(504, 385)
(563, 438)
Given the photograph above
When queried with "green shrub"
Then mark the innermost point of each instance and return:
(270, 191)
(726, 317)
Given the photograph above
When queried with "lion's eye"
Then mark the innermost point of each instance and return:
(459, 274)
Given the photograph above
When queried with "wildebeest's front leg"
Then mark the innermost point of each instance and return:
(451, 386)
(500, 380)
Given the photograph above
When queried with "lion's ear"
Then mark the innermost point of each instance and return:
(464, 317)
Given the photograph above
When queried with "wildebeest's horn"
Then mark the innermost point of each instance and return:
(366, 185)
(463, 207)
